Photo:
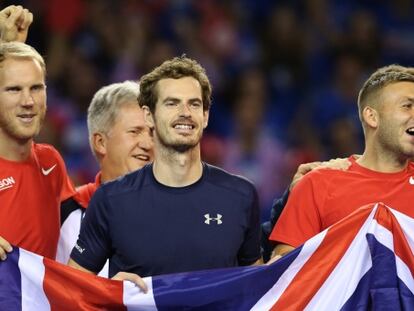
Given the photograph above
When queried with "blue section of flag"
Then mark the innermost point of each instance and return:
(10, 282)
(223, 289)
(380, 288)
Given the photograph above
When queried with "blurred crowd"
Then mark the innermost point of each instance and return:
(285, 74)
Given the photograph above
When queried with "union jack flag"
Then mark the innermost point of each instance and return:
(364, 262)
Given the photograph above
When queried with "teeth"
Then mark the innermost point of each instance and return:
(142, 157)
(26, 118)
(183, 126)
(410, 131)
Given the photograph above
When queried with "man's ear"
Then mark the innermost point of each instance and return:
(99, 144)
(370, 116)
(149, 119)
(206, 115)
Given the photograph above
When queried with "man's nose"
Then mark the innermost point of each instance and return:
(146, 142)
(27, 99)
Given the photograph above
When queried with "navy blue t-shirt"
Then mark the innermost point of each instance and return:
(148, 228)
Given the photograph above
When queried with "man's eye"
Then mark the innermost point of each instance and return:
(13, 89)
(38, 87)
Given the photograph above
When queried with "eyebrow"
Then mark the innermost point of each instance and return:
(174, 99)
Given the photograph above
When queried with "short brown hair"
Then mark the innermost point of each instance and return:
(371, 90)
(176, 68)
(20, 50)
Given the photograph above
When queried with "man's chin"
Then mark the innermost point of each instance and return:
(182, 148)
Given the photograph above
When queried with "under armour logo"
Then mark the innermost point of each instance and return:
(208, 219)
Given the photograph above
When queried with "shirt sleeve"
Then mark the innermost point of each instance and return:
(92, 248)
(300, 219)
(250, 249)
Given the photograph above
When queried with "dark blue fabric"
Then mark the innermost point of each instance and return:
(380, 289)
(10, 282)
(267, 227)
(150, 229)
(224, 289)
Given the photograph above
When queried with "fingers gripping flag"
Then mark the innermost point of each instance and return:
(364, 262)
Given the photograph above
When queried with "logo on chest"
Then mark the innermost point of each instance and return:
(7, 183)
(216, 219)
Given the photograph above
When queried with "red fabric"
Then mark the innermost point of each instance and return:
(325, 196)
(326, 258)
(30, 196)
(84, 193)
(82, 290)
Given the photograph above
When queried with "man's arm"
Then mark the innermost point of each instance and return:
(14, 23)
(280, 251)
(120, 276)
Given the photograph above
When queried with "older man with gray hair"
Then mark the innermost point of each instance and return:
(121, 143)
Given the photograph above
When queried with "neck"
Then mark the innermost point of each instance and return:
(106, 176)
(177, 169)
(107, 172)
(382, 161)
(13, 150)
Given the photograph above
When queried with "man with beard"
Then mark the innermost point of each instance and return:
(33, 177)
(177, 214)
(384, 172)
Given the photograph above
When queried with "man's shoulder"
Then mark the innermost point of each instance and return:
(127, 183)
(45, 150)
(47, 155)
(221, 178)
(84, 193)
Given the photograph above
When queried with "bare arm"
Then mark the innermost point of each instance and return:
(258, 262)
(14, 23)
(5, 248)
(120, 276)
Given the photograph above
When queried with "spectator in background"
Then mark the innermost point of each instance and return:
(333, 109)
(251, 150)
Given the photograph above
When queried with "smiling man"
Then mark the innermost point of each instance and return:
(33, 176)
(179, 213)
(383, 173)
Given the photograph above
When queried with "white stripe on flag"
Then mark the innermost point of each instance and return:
(135, 300)
(407, 225)
(32, 271)
(342, 282)
(269, 299)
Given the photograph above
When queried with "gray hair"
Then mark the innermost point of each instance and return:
(20, 50)
(105, 104)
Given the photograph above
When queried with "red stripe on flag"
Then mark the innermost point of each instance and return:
(402, 249)
(69, 289)
(323, 261)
